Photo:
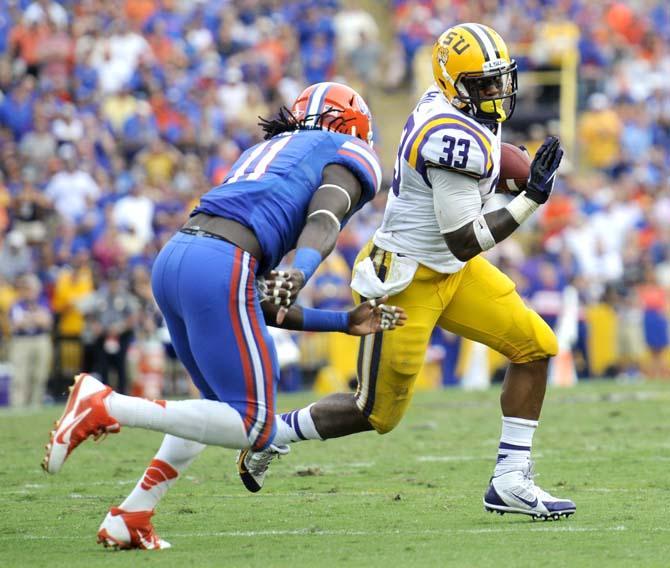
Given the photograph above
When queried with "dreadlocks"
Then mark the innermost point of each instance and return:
(286, 121)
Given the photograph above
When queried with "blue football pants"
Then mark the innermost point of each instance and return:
(206, 290)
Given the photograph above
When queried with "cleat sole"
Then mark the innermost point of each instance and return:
(556, 516)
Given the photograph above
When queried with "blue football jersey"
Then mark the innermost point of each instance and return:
(270, 186)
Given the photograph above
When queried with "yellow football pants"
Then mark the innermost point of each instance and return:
(479, 303)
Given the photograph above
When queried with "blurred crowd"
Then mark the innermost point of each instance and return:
(116, 115)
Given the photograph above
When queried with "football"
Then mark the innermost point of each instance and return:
(514, 168)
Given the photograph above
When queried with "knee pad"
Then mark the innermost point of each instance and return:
(384, 424)
(388, 393)
(385, 414)
(542, 342)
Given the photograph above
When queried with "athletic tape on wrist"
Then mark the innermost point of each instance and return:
(521, 207)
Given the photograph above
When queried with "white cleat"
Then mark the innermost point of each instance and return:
(252, 466)
(85, 415)
(123, 530)
(516, 492)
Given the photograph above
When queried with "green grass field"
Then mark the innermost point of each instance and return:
(411, 498)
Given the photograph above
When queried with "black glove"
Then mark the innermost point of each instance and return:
(543, 170)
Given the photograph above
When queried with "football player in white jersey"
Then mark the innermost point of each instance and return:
(426, 256)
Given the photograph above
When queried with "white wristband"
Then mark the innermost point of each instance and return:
(521, 207)
(483, 233)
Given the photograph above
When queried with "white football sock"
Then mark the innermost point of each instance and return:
(173, 458)
(295, 426)
(516, 443)
(205, 421)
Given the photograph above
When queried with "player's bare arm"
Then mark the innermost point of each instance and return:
(485, 231)
(464, 242)
(339, 192)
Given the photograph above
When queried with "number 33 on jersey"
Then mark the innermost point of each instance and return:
(438, 135)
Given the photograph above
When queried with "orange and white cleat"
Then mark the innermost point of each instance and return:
(127, 530)
(85, 415)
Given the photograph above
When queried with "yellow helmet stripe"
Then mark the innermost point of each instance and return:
(446, 122)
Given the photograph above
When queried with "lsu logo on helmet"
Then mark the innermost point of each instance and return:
(473, 69)
(442, 55)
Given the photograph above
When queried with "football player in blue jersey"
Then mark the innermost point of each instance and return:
(295, 190)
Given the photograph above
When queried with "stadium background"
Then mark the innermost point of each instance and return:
(116, 115)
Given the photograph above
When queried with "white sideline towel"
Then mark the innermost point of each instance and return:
(366, 282)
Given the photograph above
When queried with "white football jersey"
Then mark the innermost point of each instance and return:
(436, 134)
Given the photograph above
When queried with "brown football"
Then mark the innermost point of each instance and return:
(514, 168)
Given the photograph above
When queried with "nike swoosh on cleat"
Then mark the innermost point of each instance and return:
(64, 436)
(529, 503)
